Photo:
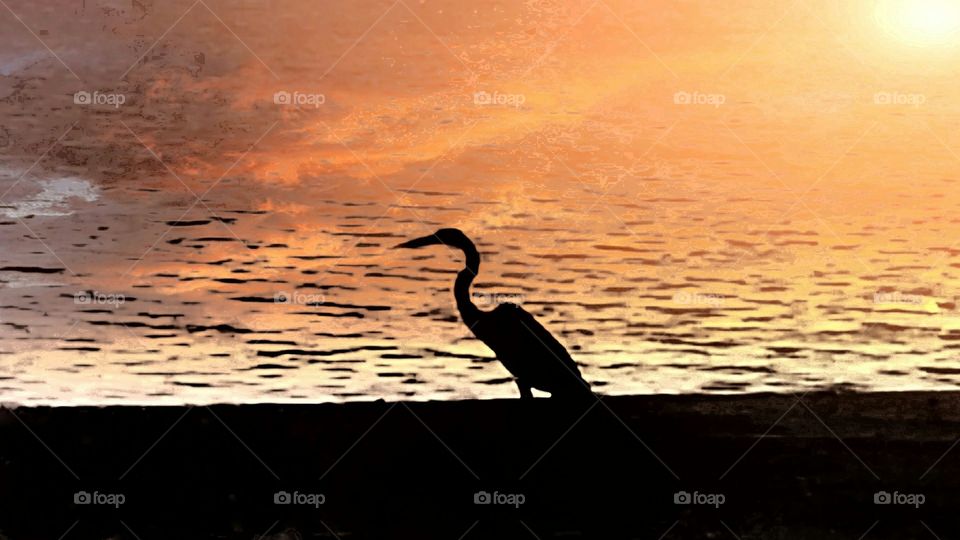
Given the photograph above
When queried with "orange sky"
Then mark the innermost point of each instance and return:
(803, 152)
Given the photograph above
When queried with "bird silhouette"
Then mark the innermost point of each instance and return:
(527, 349)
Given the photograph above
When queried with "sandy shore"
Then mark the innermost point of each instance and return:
(762, 466)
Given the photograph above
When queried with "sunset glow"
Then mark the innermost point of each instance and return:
(921, 22)
(740, 180)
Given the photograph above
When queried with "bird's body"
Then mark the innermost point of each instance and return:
(529, 352)
(527, 349)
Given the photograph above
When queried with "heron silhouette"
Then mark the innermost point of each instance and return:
(527, 349)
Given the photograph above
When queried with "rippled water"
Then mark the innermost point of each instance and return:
(750, 247)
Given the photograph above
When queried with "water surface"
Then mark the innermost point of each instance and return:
(202, 243)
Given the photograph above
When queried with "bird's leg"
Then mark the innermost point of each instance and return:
(525, 392)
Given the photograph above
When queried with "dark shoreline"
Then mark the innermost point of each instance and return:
(610, 469)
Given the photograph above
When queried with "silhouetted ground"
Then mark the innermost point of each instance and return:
(785, 469)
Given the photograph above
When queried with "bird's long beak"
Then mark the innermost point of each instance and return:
(429, 240)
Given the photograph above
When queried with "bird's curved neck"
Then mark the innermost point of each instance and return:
(469, 312)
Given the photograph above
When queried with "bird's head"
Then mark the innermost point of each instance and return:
(447, 237)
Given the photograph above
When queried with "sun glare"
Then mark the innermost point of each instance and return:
(921, 22)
